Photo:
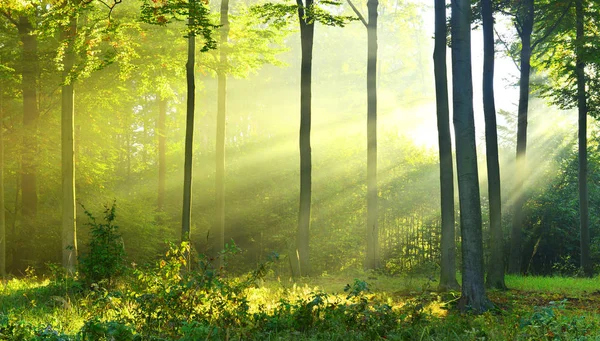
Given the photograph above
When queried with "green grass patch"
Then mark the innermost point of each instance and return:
(569, 286)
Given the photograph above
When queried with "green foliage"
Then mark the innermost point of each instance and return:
(105, 258)
(163, 12)
(95, 329)
(279, 14)
(548, 323)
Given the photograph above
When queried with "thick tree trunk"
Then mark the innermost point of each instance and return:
(495, 274)
(30, 116)
(516, 236)
(307, 29)
(473, 290)
(448, 246)
(372, 200)
(221, 114)
(189, 135)
(161, 128)
(586, 263)
(69, 227)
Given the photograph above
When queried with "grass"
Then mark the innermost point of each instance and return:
(570, 286)
(318, 308)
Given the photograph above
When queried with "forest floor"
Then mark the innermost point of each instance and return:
(159, 306)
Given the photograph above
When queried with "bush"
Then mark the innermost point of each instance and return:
(105, 259)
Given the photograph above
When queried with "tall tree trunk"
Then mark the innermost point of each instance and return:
(516, 236)
(161, 129)
(189, 134)
(30, 116)
(2, 208)
(372, 200)
(221, 114)
(473, 289)
(307, 29)
(69, 227)
(495, 274)
(586, 263)
(448, 246)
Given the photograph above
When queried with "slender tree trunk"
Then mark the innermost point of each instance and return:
(473, 289)
(495, 274)
(2, 208)
(221, 114)
(30, 116)
(586, 263)
(307, 29)
(189, 135)
(448, 246)
(69, 227)
(161, 128)
(372, 200)
(514, 262)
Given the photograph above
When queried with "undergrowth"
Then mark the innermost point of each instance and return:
(184, 296)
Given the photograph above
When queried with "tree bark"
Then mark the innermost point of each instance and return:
(526, 28)
(161, 128)
(473, 290)
(30, 116)
(448, 246)
(189, 134)
(495, 274)
(221, 115)
(372, 199)
(586, 263)
(307, 29)
(69, 227)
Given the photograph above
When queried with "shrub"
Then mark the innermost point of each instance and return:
(105, 259)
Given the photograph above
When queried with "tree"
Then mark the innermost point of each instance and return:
(186, 218)
(448, 246)
(20, 15)
(580, 64)
(529, 16)
(162, 13)
(372, 260)
(69, 226)
(221, 114)
(495, 273)
(308, 13)
(307, 31)
(473, 289)
(524, 25)
(572, 63)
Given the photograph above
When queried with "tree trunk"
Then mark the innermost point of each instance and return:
(189, 134)
(372, 200)
(495, 274)
(221, 114)
(162, 149)
(2, 208)
(473, 290)
(448, 246)
(30, 116)
(307, 29)
(69, 227)
(586, 263)
(514, 262)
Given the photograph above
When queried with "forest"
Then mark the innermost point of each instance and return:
(308, 170)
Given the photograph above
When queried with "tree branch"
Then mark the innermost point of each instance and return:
(358, 13)
(507, 49)
(9, 18)
(554, 26)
